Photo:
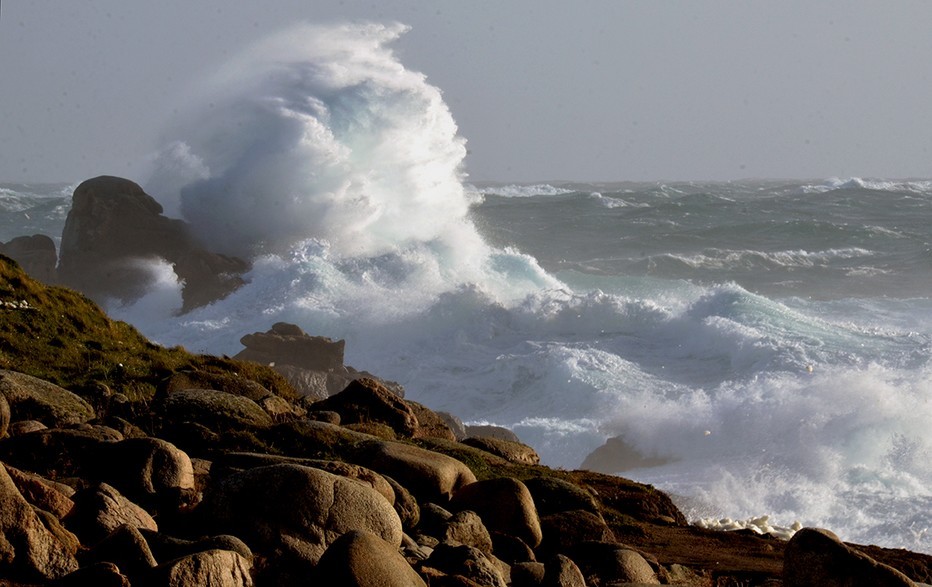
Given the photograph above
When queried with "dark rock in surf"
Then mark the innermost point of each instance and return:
(313, 365)
(287, 344)
(616, 456)
(114, 228)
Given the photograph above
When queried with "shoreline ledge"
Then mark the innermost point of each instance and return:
(126, 463)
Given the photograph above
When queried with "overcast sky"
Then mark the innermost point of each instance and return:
(541, 90)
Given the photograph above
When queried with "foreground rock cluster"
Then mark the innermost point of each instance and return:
(352, 490)
(123, 463)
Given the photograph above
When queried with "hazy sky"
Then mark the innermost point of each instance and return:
(541, 90)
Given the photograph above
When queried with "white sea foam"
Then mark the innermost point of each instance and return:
(913, 186)
(729, 259)
(615, 202)
(524, 191)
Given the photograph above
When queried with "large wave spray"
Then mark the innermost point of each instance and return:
(317, 154)
(319, 133)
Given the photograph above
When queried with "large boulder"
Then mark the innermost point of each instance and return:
(165, 547)
(605, 563)
(244, 460)
(469, 562)
(298, 511)
(528, 574)
(101, 509)
(114, 228)
(42, 493)
(147, 469)
(816, 557)
(514, 452)
(29, 551)
(31, 398)
(365, 560)
(430, 424)
(552, 495)
(125, 547)
(466, 527)
(562, 572)
(35, 254)
(216, 568)
(105, 574)
(491, 431)
(563, 530)
(368, 401)
(405, 505)
(505, 505)
(218, 410)
(430, 476)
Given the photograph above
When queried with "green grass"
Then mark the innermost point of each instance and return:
(59, 335)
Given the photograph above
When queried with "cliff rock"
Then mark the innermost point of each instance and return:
(115, 229)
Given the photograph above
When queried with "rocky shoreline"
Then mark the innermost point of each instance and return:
(126, 463)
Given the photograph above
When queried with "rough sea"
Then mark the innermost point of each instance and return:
(769, 340)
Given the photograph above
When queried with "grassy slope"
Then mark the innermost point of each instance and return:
(61, 336)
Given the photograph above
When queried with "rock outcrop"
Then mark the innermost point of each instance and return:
(287, 344)
(115, 231)
(816, 557)
(312, 364)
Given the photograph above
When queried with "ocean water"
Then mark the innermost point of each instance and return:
(769, 340)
